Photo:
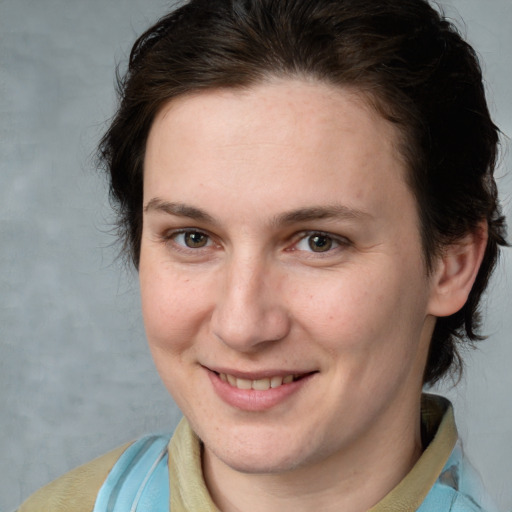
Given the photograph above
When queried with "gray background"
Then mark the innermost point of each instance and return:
(75, 376)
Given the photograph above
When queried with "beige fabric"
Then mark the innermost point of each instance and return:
(75, 491)
(189, 492)
(188, 489)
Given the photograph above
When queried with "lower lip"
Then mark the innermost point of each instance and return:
(252, 399)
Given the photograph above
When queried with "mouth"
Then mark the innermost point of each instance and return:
(263, 384)
(260, 390)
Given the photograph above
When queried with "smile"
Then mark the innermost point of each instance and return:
(258, 384)
(258, 391)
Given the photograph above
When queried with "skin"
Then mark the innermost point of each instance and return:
(237, 184)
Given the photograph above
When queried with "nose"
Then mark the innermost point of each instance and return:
(250, 312)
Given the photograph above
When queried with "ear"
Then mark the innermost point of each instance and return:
(456, 271)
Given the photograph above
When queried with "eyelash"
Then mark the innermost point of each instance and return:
(302, 237)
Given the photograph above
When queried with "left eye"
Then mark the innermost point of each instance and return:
(192, 239)
(317, 242)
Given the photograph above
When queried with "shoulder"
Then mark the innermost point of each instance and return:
(77, 490)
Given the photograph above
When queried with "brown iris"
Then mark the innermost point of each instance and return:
(320, 243)
(195, 239)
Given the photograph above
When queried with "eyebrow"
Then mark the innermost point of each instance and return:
(178, 210)
(307, 214)
(330, 212)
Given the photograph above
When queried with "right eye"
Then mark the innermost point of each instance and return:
(191, 239)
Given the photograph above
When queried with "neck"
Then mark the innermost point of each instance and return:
(353, 479)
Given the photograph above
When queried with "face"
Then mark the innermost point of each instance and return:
(284, 292)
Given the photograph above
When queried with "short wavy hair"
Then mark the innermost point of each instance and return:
(410, 62)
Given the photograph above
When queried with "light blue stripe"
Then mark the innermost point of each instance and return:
(155, 496)
(128, 480)
(114, 495)
(150, 491)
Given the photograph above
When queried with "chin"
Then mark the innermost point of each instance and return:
(261, 462)
(263, 453)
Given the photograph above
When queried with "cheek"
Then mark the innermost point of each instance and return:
(360, 312)
(172, 305)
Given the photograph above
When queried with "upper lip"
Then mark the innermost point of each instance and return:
(258, 374)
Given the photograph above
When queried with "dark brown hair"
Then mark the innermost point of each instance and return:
(410, 62)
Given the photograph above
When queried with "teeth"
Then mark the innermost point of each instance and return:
(275, 382)
(258, 384)
(243, 384)
(261, 384)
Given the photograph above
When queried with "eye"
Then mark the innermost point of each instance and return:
(192, 239)
(319, 242)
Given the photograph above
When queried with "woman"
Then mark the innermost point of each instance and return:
(306, 189)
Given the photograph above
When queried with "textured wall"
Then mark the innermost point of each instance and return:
(75, 376)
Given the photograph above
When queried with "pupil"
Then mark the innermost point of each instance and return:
(320, 243)
(195, 239)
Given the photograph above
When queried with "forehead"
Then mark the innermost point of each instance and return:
(279, 106)
(283, 144)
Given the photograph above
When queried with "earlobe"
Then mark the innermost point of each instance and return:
(456, 272)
